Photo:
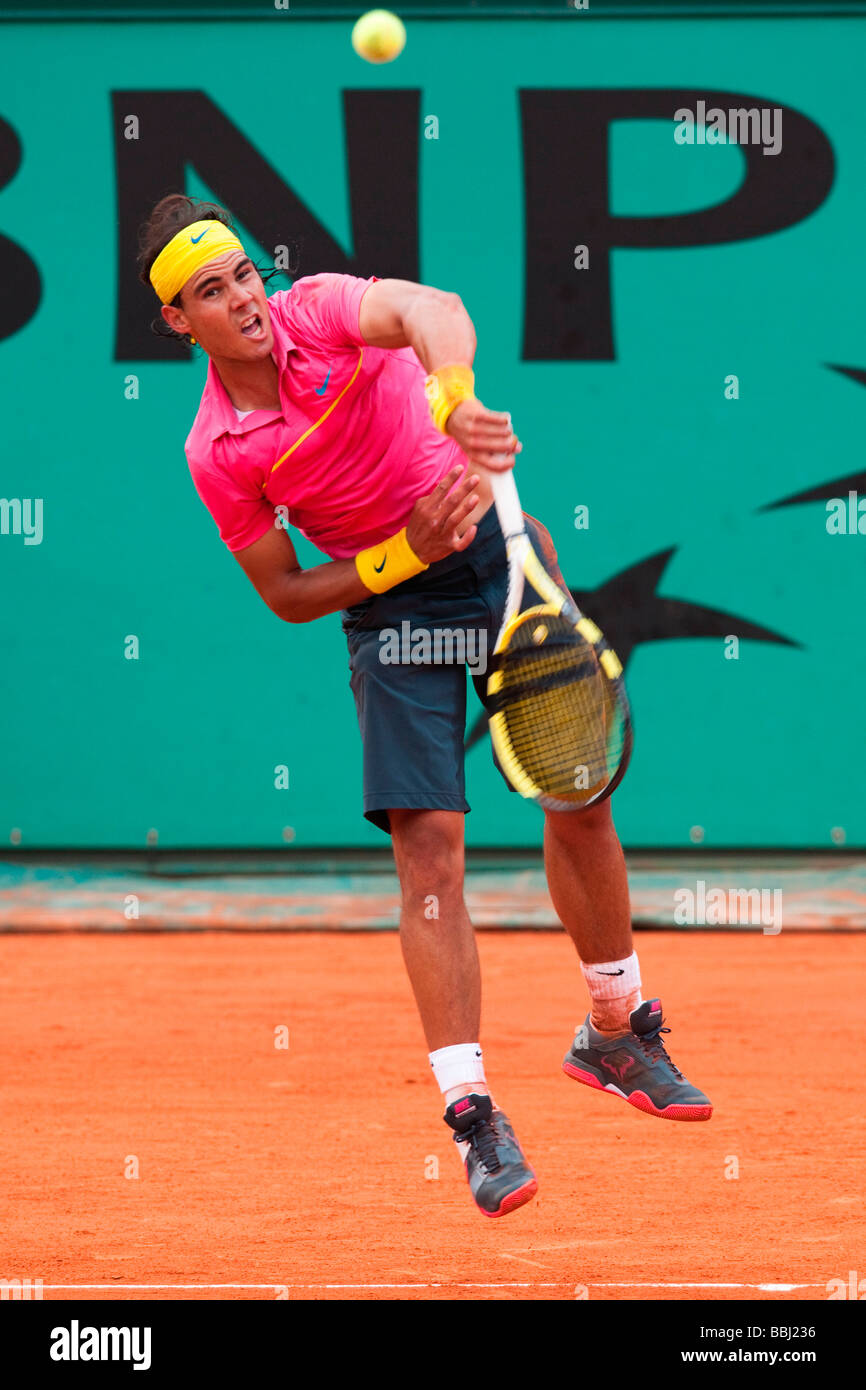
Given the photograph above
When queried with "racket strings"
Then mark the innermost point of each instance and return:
(563, 719)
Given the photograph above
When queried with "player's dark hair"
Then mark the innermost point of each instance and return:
(170, 215)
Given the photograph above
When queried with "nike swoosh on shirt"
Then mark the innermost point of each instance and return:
(320, 390)
(379, 568)
(196, 239)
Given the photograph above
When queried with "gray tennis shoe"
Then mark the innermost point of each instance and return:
(499, 1177)
(637, 1067)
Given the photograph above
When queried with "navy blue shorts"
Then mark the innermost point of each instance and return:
(409, 652)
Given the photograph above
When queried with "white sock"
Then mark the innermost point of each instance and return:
(457, 1066)
(614, 987)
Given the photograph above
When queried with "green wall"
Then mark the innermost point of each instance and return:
(768, 749)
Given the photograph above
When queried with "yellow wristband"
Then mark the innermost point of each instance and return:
(388, 563)
(446, 388)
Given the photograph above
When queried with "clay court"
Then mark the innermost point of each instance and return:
(309, 1171)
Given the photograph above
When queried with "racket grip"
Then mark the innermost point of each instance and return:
(507, 503)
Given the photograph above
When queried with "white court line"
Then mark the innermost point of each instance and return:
(452, 1284)
(768, 1288)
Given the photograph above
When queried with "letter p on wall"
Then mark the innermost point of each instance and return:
(570, 317)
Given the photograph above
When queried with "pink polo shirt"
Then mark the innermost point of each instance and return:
(351, 448)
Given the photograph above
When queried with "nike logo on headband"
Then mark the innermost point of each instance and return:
(196, 239)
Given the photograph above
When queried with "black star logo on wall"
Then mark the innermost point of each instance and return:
(629, 612)
(853, 482)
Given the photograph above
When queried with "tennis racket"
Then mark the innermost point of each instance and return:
(559, 714)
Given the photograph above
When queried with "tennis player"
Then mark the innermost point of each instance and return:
(346, 407)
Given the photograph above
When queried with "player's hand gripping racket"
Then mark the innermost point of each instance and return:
(559, 715)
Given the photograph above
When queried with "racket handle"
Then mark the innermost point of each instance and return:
(507, 503)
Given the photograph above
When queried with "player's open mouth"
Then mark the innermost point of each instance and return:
(252, 327)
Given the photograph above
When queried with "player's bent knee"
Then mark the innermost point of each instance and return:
(415, 832)
(428, 850)
(572, 825)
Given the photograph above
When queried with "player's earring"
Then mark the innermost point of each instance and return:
(192, 341)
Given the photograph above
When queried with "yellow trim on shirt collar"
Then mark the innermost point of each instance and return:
(334, 402)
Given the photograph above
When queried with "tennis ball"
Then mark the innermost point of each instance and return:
(379, 36)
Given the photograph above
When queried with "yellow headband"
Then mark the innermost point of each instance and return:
(190, 249)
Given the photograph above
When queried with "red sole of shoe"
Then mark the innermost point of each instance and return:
(640, 1100)
(515, 1199)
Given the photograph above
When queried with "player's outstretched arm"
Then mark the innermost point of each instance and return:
(401, 313)
(436, 527)
(435, 324)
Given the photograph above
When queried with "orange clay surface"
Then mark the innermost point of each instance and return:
(312, 1171)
